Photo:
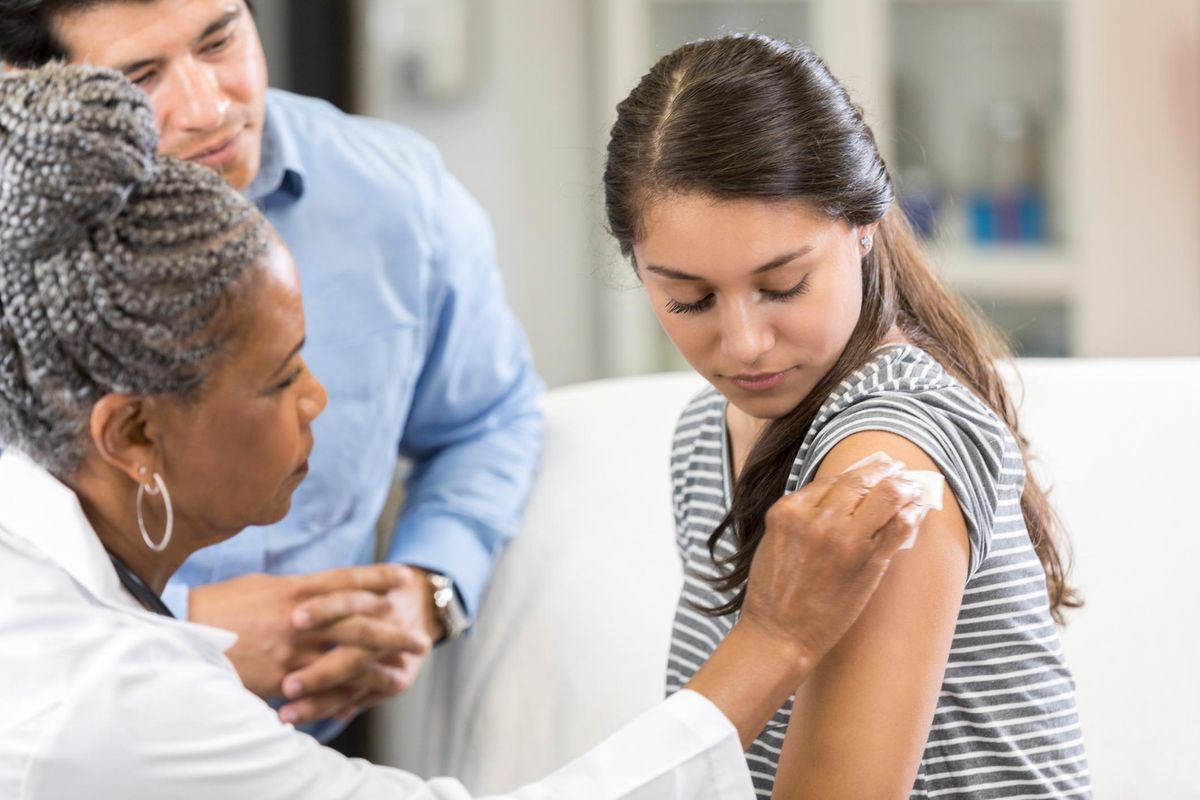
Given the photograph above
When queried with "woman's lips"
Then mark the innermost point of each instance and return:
(759, 382)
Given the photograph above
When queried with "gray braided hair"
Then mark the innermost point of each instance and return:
(116, 267)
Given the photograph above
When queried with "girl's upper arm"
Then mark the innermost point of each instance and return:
(860, 723)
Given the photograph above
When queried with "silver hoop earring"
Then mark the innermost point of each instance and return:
(866, 242)
(159, 488)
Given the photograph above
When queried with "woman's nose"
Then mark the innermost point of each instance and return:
(746, 333)
(314, 400)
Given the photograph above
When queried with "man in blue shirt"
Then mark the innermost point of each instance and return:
(408, 329)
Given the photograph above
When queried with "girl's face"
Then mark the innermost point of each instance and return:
(759, 297)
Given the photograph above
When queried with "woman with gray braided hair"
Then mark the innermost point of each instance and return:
(153, 401)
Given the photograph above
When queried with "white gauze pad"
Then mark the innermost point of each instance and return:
(933, 487)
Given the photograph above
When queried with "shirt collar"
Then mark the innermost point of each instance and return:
(280, 168)
(44, 512)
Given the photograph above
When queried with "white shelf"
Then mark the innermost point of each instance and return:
(1008, 272)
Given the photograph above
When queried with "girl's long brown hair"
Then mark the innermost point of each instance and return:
(747, 117)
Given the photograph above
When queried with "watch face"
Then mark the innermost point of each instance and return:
(449, 610)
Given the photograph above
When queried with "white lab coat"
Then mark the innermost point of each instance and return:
(102, 699)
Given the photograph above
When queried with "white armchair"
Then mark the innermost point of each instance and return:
(572, 639)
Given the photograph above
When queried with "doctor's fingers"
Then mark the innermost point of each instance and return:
(379, 578)
(395, 676)
(338, 667)
(342, 667)
(884, 501)
(374, 685)
(332, 703)
(329, 608)
(373, 633)
(852, 486)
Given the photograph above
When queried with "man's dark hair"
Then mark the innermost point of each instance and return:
(27, 28)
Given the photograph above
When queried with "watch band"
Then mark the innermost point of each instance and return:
(447, 606)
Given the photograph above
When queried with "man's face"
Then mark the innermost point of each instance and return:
(202, 65)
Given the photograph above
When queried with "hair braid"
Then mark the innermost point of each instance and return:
(114, 264)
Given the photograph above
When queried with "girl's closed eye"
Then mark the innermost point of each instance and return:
(787, 294)
(704, 303)
(676, 307)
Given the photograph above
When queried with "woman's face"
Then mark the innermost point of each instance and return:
(233, 457)
(759, 297)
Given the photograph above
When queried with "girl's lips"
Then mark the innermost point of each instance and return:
(759, 382)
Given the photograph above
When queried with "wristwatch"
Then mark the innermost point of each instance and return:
(447, 606)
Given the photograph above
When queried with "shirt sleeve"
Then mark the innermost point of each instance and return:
(474, 428)
(967, 444)
(683, 748)
(175, 595)
(154, 721)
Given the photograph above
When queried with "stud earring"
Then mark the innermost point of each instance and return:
(866, 242)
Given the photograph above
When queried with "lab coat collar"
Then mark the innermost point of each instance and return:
(36, 507)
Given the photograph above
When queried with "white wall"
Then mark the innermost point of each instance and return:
(519, 139)
(1138, 74)
(527, 134)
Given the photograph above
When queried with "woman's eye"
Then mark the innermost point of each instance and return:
(676, 307)
(292, 377)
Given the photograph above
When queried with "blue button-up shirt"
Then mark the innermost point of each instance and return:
(409, 330)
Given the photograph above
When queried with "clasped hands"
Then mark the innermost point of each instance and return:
(330, 643)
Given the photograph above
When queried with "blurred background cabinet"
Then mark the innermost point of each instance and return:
(1049, 149)
(1020, 134)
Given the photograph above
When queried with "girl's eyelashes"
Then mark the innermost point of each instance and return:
(787, 294)
(704, 303)
(676, 307)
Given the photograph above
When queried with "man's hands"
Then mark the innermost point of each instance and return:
(354, 676)
(332, 643)
(823, 553)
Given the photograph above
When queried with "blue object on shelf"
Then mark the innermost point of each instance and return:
(1017, 216)
(1031, 216)
(921, 210)
(983, 218)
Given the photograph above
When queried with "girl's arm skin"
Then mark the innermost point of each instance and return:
(823, 553)
(860, 721)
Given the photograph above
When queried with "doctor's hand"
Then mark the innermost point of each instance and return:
(357, 673)
(822, 554)
(824, 551)
(259, 608)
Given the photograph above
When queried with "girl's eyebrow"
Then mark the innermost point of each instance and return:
(774, 263)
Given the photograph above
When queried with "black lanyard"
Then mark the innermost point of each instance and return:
(138, 588)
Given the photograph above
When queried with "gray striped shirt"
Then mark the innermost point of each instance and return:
(1006, 724)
